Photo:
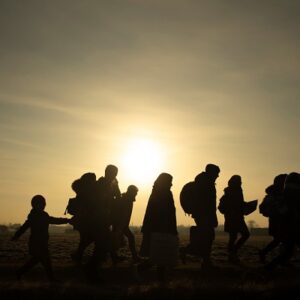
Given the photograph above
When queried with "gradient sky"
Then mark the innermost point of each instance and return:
(207, 81)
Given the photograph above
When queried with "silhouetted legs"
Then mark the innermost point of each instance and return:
(285, 255)
(84, 242)
(101, 248)
(205, 249)
(161, 273)
(234, 245)
(201, 240)
(131, 242)
(206, 238)
(44, 260)
(272, 245)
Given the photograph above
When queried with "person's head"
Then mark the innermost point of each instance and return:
(132, 191)
(111, 172)
(38, 202)
(163, 181)
(278, 182)
(235, 181)
(85, 181)
(212, 171)
(292, 180)
(89, 177)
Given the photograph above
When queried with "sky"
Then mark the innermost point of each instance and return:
(83, 84)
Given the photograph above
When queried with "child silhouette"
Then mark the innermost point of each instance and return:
(38, 221)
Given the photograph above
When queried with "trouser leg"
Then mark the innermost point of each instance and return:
(284, 256)
(245, 234)
(46, 263)
(131, 241)
(207, 236)
(231, 241)
(100, 251)
(84, 242)
(272, 245)
(27, 266)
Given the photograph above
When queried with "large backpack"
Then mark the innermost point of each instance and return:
(188, 197)
(223, 205)
(265, 208)
(72, 207)
(271, 207)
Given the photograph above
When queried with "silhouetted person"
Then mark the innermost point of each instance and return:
(124, 212)
(290, 226)
(102, 217)
(160, 215)
(274, 208)
(109, 192)
(232, 203)
(85, 189)
(204, 214)
(38, 222)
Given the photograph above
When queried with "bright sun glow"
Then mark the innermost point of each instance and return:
(142, 161)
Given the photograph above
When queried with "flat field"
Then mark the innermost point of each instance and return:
(247, 280)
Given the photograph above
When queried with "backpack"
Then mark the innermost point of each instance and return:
(271, 207)
(265, 206)
(222, 205)
(188, 197)
(72, 207)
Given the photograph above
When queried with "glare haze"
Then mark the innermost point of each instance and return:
(81, 82)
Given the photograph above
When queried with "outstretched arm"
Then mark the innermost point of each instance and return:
(21, 230)
(53, 220)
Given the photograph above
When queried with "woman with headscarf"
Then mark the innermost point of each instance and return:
(160, 215)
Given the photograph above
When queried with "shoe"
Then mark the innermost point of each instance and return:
(233, 258)
(262, 257)
(135, 273)
(207, 265)
(19, 275)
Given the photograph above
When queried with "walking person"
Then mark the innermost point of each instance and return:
(38, 222)
(274, 208)
(102, 219)
(203, 211)
(159, 220)
(125, 211)
(80, 207)
(232, 206)
(290, 233)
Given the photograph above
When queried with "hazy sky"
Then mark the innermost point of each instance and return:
(206, 81)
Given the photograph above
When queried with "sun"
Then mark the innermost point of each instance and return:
(142, 161)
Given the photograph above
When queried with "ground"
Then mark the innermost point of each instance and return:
(245, 281)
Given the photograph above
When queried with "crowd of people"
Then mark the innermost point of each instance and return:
(101, 214)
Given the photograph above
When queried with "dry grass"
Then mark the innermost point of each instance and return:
(184, 282)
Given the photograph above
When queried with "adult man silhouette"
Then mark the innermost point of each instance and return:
(204, 215)
(102, 218)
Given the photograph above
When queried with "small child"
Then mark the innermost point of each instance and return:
(123, 215)
(38, 221)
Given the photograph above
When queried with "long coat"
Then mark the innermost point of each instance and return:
(205, 207)
(160, 217)
(234, 209)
